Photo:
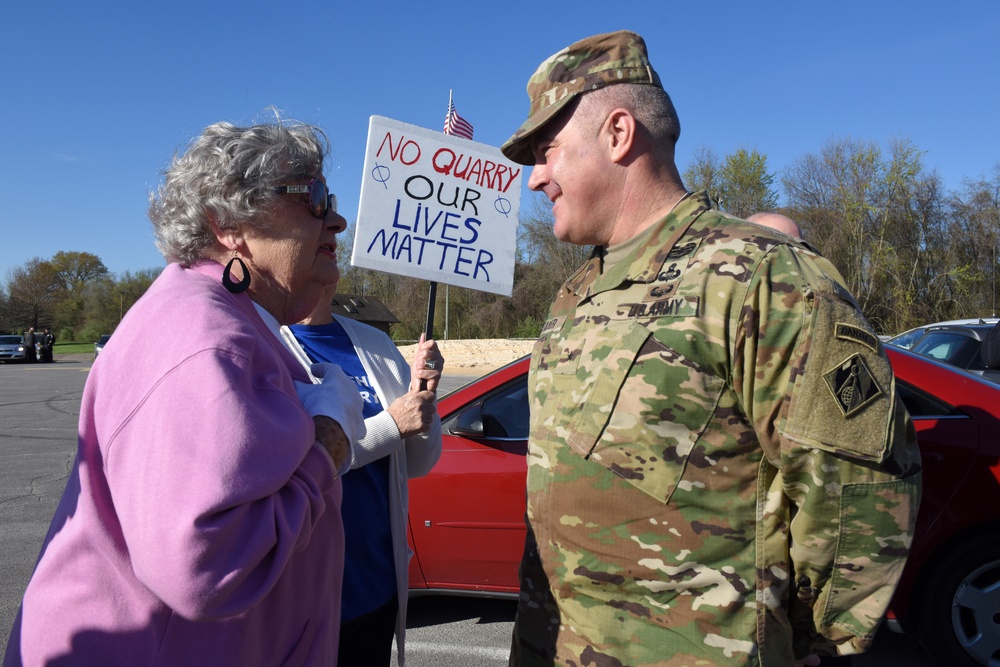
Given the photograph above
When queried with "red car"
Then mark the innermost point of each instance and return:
(467, 516)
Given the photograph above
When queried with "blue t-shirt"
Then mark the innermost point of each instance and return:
(369, 572)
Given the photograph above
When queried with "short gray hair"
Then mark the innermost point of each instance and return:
(651, 106)
(228, 174)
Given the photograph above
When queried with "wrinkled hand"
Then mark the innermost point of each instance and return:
(427, 350)
(413, 412)
(332, 437)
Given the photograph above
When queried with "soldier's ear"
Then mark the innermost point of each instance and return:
(618, 134)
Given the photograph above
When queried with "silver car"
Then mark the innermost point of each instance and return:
(906, 339)
(99, 345)
(12, 348)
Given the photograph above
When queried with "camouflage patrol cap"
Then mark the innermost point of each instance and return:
(591, 63)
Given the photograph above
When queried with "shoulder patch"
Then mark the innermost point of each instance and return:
(856, 334)
(852, 384)
(830, 367)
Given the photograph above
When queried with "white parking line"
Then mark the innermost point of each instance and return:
(484, 653)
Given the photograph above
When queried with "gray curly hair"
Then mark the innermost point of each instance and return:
(228, 174)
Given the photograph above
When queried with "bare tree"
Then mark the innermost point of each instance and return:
(76, 269)
(739, 184)
(871, 213)
(33, 290)
(547, 263)
(976, 215)
(6, 324)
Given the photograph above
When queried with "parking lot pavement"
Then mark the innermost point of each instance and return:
(39, 408)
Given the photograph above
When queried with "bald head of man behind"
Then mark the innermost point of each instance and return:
(782, 223)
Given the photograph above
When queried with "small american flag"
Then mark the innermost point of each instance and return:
(455, 124)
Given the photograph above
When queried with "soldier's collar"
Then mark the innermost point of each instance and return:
(578, 282)
(646, 253)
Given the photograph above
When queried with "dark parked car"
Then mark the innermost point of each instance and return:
(99, 345)
(467, 516)
(12, 348)
(957, 343)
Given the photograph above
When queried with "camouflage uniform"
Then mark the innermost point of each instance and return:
(719, 469)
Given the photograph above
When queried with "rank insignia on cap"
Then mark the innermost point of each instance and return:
(852, 385)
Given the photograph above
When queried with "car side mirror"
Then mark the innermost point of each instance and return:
(469, 422)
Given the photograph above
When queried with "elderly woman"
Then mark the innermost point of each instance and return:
(201, 521)
(403, 440)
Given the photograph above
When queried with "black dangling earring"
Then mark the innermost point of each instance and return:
(227, 281)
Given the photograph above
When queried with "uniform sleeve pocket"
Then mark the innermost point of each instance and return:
(873, 540)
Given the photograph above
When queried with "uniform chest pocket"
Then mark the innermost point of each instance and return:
(638, 410)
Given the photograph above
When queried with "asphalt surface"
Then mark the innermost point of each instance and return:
(39, 408)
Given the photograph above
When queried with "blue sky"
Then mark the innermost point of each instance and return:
(97, 96)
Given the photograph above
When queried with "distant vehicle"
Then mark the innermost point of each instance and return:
(12, 348)
(99, 345)
(467, 515)
(955, 342)
(906, 339)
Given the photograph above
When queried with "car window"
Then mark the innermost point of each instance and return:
(907, 339)
(922, 405)
(505, 413)
(948, 346)
(10, 340)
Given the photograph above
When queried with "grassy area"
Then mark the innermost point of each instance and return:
(73, 348)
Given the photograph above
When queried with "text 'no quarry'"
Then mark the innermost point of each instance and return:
(437, 207)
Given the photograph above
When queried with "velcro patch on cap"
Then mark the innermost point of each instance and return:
(852, 384)
(856, 334)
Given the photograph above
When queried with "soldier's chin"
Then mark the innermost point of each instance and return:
(568, 233)
(563, 230)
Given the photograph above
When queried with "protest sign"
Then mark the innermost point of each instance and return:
(437, 207)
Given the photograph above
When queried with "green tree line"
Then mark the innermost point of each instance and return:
(72, 293)
(911, 251)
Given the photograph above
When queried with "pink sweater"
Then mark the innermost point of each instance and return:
(201, 522)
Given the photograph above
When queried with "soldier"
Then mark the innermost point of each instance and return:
(719, 470)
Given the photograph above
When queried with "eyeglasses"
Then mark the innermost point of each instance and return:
(321, 201)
